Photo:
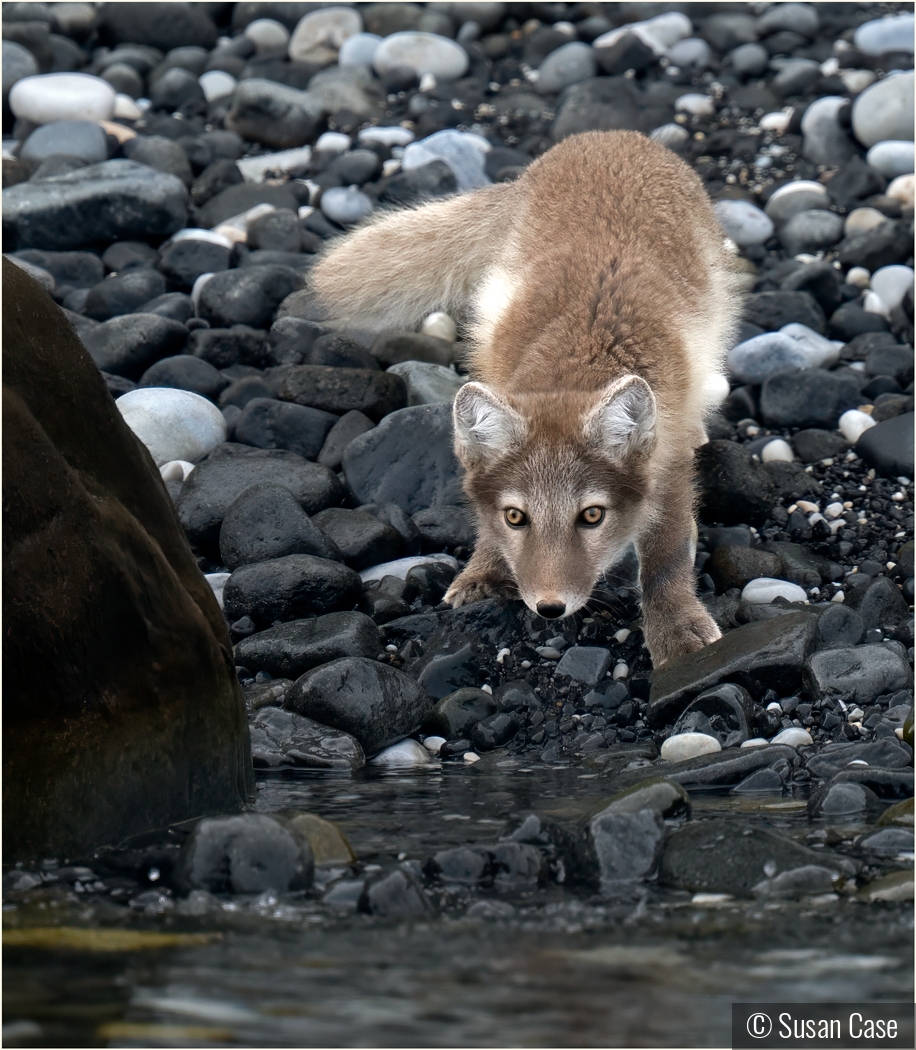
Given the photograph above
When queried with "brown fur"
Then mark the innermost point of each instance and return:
(604, 300)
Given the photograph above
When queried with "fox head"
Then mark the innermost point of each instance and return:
(560, 482)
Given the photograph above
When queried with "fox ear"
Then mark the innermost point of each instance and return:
(623, 419)
(485, 424)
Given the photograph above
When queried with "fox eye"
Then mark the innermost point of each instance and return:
(592, 516)
(516, 518)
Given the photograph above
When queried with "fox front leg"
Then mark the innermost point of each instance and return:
(485, 576)
(674, 620)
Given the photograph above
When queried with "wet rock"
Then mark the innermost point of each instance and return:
(328, 843)
(281, 738)
(494, 731)
(125, 615)
(735, 488)
(814, 445)
(765, 780)
(726, 768)
(585, 664)
(810, 879)
(444, 527)
(885, 783)
(839, 625)
(289, 588)
(735, 566)
(709, 858)
(265, 522)
(115, 200)
(835, 758)
(456, 714)
(362, 539)
(725, 713)
(249, 853)
(887, 842)
(183, 261)
(463, 865)
(274, 114)
(772, 310)
(682, 746)
(231, 469)
(880, 604)
(765, 655)
(267, 423)
(127, 346)
(388, 465)
(340, 390)
(374, 702)
(290, 649)
(449, 663)
(856, 674)
(897, 886)
(899, 815)
(394, 896)
(406, 754)
(839, 801)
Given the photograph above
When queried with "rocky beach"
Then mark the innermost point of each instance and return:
(475, 826)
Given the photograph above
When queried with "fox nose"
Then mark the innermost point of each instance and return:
(551, 610)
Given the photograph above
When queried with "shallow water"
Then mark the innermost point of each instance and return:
(558, 968)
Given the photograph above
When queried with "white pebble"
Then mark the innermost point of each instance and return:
(621, 670)
(358, 50)
(834, 510)
(755, 741)
(525, 664)
(423, 53)
(333, 142)
(173, 424)
(502, 654)
(854, 423)
(192, 233)
(807, 506)
(441, 326)
(176, 470)
(548, 652)
(873, 304)
(891, 33)
(402, 755)
(386, 136)
(775, 706)
(255, 169)
(901, 189)
(198, 286)
(487, 688)
(216, 84)
(839, 597)
(126, 109)
(621, 636)
(402, 566)
(319, 35)
(681, 746)
(697, 105)
(743, 222)
(433, 743)
(891, 158)
(217, 581)
(48, 97)
(794, 736)
(777, 451)
(858, 276)
(670, 135)
(765, 589)
(857, 80)
(777, 122)
(267, 34)
(345, 205)
(890, 284)
(470, 756)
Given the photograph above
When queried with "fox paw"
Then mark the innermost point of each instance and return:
(468, 588)
(686, 635)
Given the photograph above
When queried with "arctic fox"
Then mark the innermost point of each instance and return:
(602, 299)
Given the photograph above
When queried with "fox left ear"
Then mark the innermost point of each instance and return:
(623, 418)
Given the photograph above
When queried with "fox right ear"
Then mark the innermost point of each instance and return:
(485, 424)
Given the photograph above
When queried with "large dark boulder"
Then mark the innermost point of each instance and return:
(123, 713)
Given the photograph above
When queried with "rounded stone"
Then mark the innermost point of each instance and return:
(794, 737)
(358, 50)
(854, 423)
(403, 755)
(743, 222)
(173, 424)
(320, 34)
(884, 111)
(893, 33)
(761, 356)
(789, 200)
(267, 34)
(18, 63)
(569, 64)
(682, 746)
(441, 326)
(62, 96)
(777, 451)
(891, 158)
(811, 231)
(423, 53)
(766, 589)
(890, 284)
(345, 205)
(75, 138)
(216, 84)
(861, 220)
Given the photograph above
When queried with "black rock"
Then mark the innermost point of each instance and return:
(456, 715)
(856, 674)
(852, 320)
(801, 565)
(158, 152)
(264, 522)
(75, 269)
(435, 179)
(225, 473)
(734, 566)
(428, 582)
(880, 604)
(808, 397)
(888, 446)
(248, 296)
(772, 310)
(412, 346)
(173, 305)
(708, 857)
(820, 280)
(813, 445)
(347, 428)
(736, 489)
(362, 539)
(885, 783)
(239, 198)
(291, 649)
(123, 256)
(215, 178)
(890, 360)
(394, 896)
(290, 340)
(494, 731)
(389, 464)
(834, 760)
(185, 260)
(185, 372)
(225, 347)
(129, 345)
(725, 768)
(114, 200)
(584, 663)
(336, 350)
(765, 655)
(267, 423)
(627, 52)
(241, 392)
(839, 625)
(117, 385)
(122, 294)
(247, 853)
(276, 231)
(340, 390)
(608, 104)
(374, 702)
(725, 712)
(883, 245)
(448, 664)
(837, 801)
(281, 738)
(463, 865)
(444, 527)
(161, 25)
(289, 588)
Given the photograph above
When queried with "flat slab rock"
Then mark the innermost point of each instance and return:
(282, 738)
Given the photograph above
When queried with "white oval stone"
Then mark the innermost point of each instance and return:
(858, 277)
(901, 189)
(433, 743)
(794, 736)
(441, 326)
(697, 105)
(358, 50)
(854, 423)
(256, 169)
(777, 122)
(670, 135)
(345, 205)
(891, 159)
(267, 34)
(885, 110)
(217, 581)
(890, 284)
(681, 746)
(126, 109)
(216, 84)
(860, 220)
(173, 424)
(62, 96)
(777, 451)
(423, 53)
(191, 233)
(333, 142)
(761, 356)
(763, 590)
(801, 195)
(834, 510)
(319, 34)
(755, 741)
(175, 470)
(402, 566)
(857, 80)
(894, 33)
(402, 755)
(387, 136)
(743, 222)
